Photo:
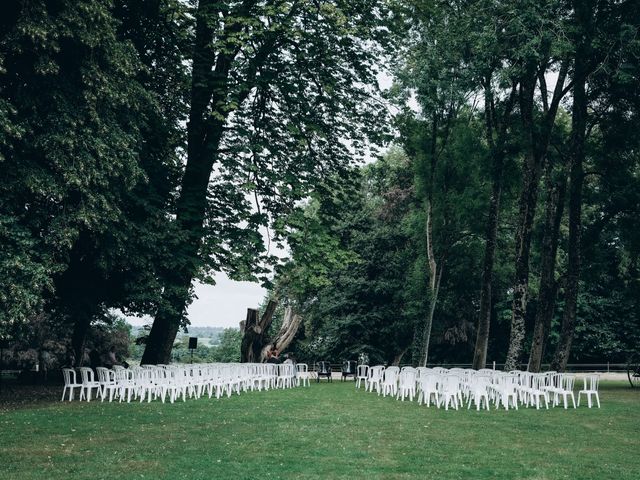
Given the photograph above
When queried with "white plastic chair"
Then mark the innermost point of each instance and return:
(107, 381)
(565, 390)
(505, 391)
(390, 381)
(303, 374)
(362, 374)
(536, 391)
(449, 391)
(70, 382)
(126, 385)
(286, 375)
(478, 390)
(590, 388)
(407, 384)
(89, 383)
(375, 378)
(428, 384)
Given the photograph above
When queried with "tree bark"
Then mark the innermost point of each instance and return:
(204, 133)
(554, 210)
(583, 12)
(286, 334)
(79, 337)
(497, 155)
(251, 335)
(484, 317)
(538, 139)
(433, 300)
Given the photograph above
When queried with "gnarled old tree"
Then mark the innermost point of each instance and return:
(256, 339)
(278, 91)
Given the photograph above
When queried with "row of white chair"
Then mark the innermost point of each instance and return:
(452, 387)
(172, 382)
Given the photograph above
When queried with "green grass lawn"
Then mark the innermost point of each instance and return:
(327, 431)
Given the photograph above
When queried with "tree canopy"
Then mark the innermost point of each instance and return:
(482, 207)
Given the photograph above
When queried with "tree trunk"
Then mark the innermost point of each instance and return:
(528, 201)
(286, 334)
(433, 300)
(497, 155)
(79, 337)
(484, 320)
(548, 285)
(204, 133)
(251, 335)
(434, 280)
(398, 358)
(583, 12)
(538, 139)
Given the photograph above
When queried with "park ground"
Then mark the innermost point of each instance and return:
(327, 431)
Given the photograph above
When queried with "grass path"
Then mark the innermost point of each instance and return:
(323, 432)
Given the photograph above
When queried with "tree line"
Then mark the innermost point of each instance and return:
(146, 145)
(501, 225)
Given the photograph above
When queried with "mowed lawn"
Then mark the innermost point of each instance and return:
(327, 431)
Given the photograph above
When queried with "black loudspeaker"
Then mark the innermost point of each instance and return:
(193, 343)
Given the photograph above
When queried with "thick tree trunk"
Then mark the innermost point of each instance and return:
(528, 201)
(539, 136)
(583, 12)
(288, 330)
(548, 285)
(204, 133)
(256, 341)
(251, 334)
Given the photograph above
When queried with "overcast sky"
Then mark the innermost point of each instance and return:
(222, 305)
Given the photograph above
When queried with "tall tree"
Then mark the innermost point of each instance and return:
(119, 267)
(554, 208)
(538, 32)
(276, 90)
(69, 144)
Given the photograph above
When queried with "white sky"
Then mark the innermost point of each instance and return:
(222, 305)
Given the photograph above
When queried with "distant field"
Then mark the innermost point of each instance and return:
(327, 431)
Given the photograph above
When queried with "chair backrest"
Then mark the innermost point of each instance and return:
(349, 366)
(363, 371)
(286, 370)
(408, 377)
(591, 382)
(429, 382)
(376, 373)
(479, 381)
(323, 368)
(391, 375)
(87, 375)
(450, 383)
(302, 368)
(69, 375)
(567, 380)
(103, 374)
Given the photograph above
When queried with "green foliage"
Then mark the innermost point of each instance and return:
(88, 157)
